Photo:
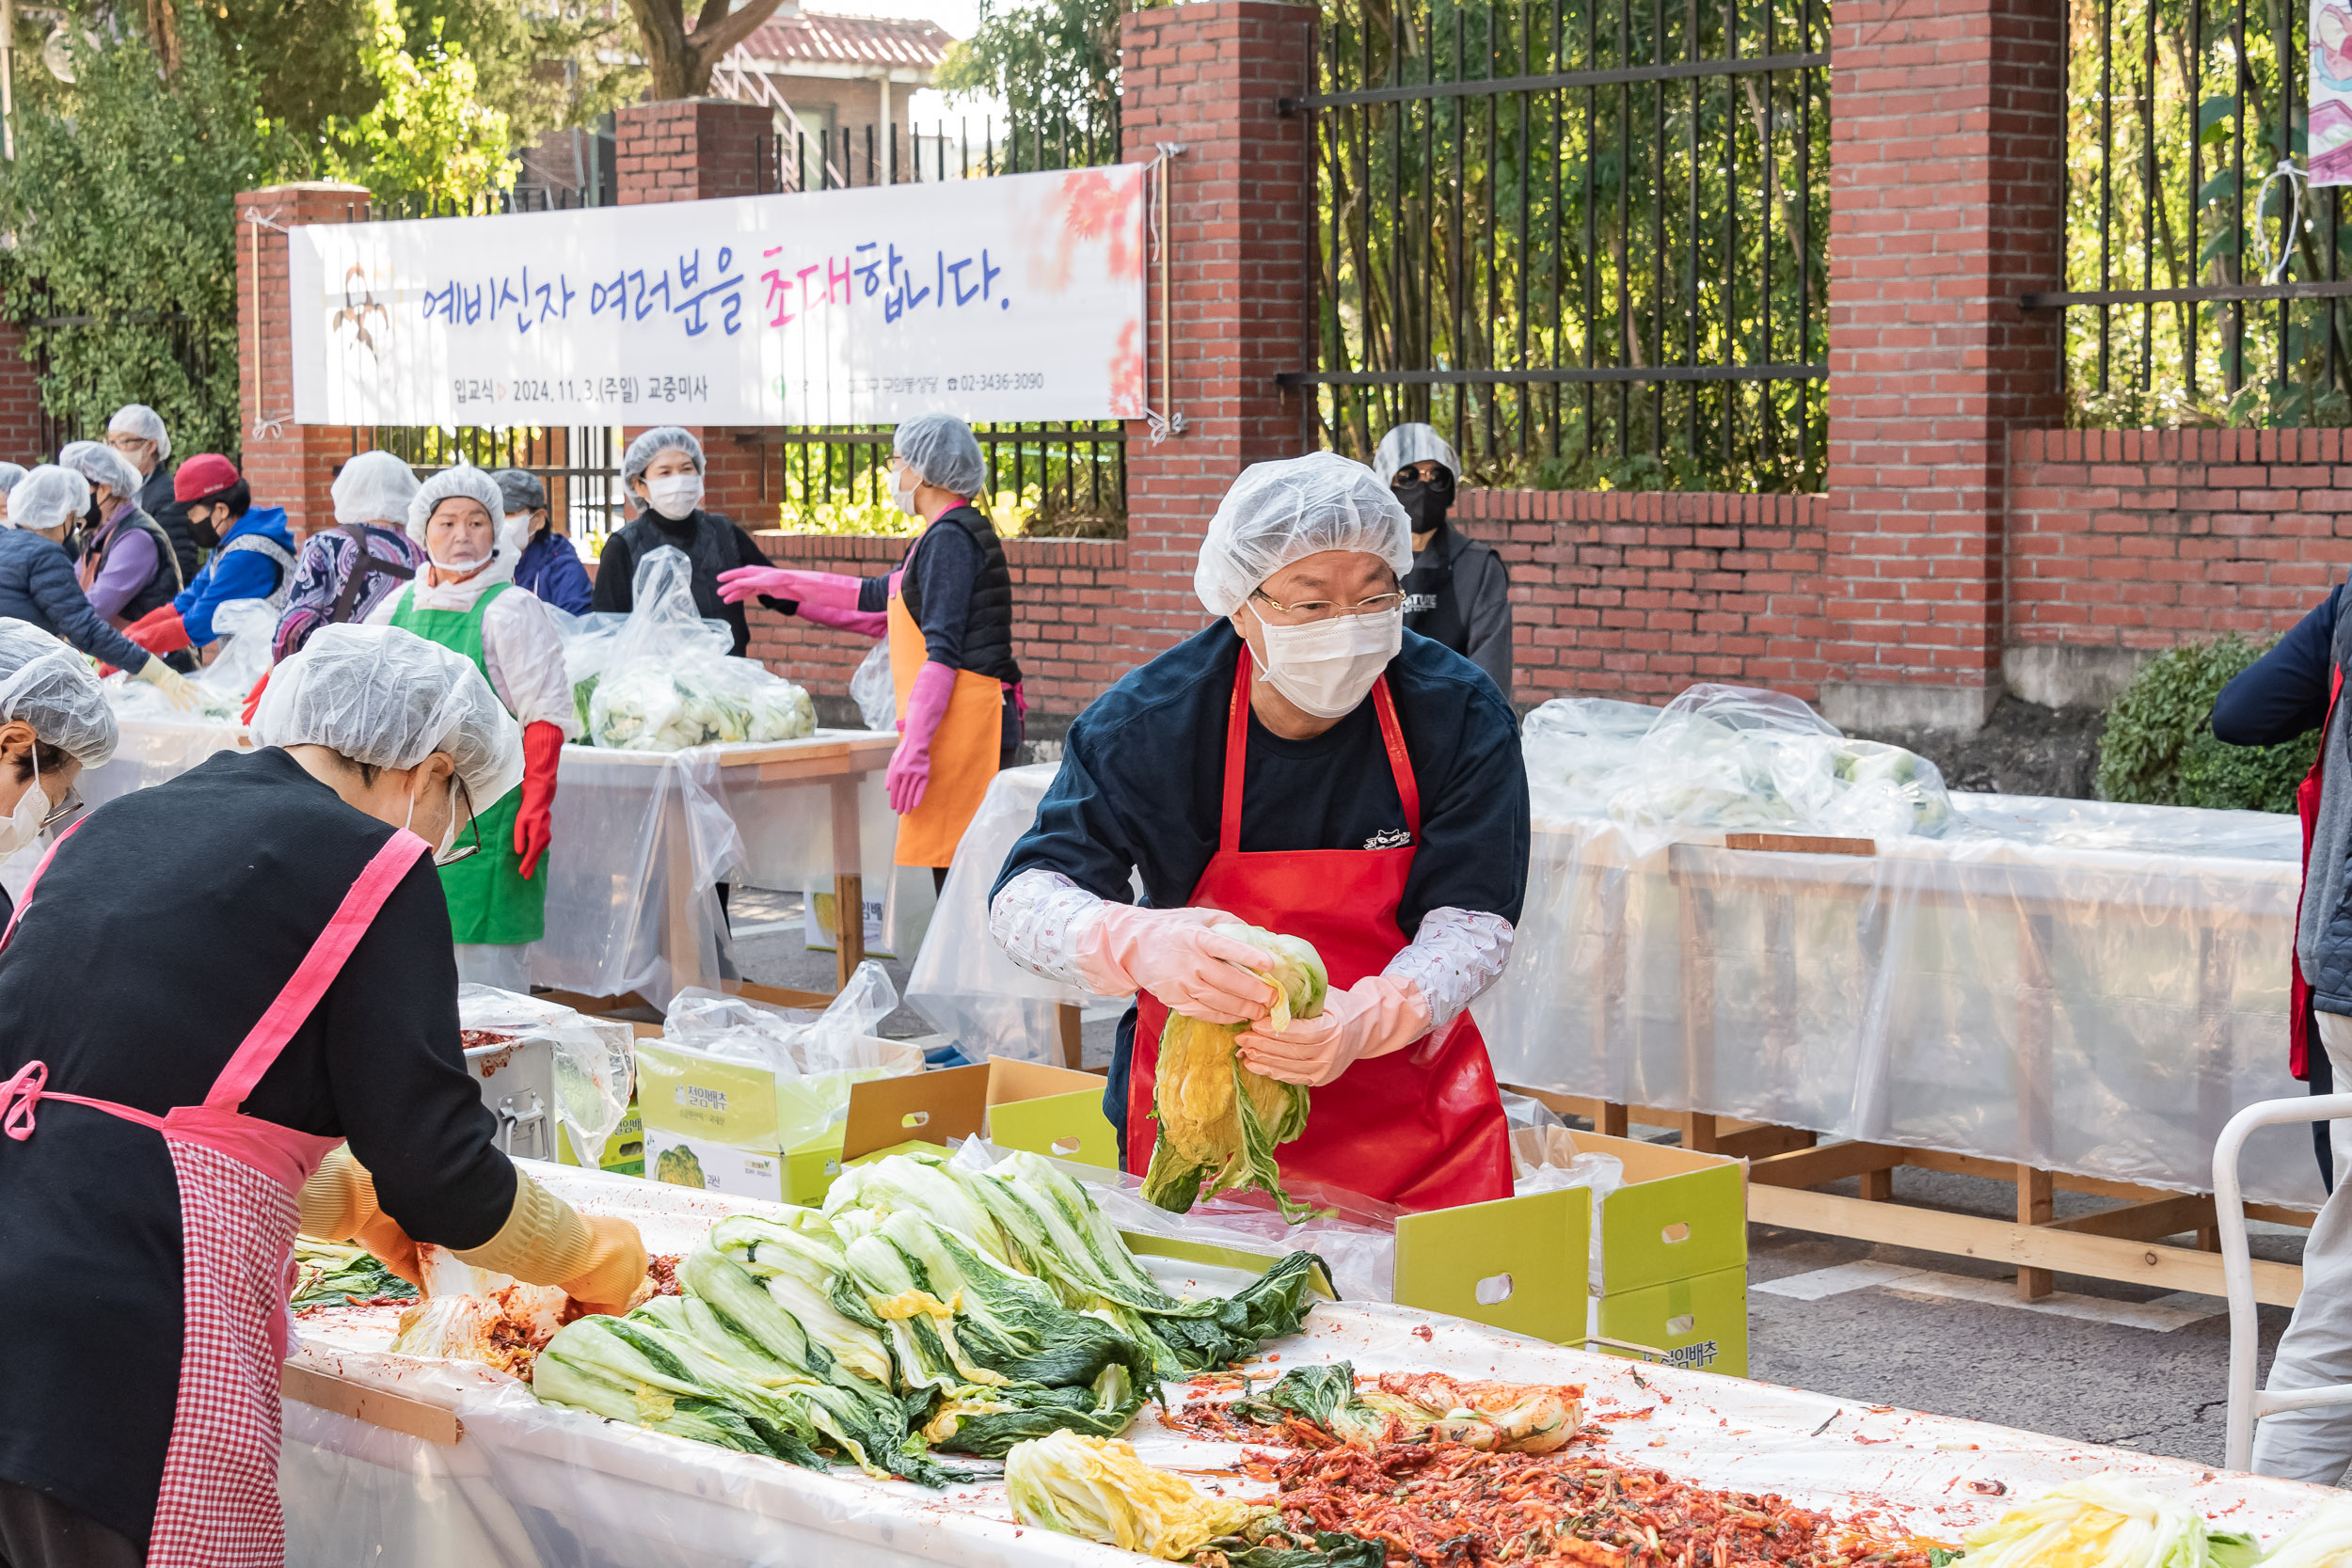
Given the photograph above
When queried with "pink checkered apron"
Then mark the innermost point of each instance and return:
(239, 1180)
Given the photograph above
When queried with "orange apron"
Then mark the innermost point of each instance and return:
(965, 748)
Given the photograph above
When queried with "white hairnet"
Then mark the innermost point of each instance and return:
(374, 487)
(53, 688)
(1413, 443)
(101, 465)
(940, 447)
(136, 418)
(9, 474)
(49, 497)
(389, 698)
(652, 444)
(1277, 512)
(463, 480)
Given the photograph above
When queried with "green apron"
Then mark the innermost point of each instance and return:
(489, 901)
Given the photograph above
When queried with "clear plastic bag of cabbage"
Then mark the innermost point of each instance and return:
(1219, 1123)
(663, 681)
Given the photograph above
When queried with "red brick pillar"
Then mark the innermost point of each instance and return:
(287, 465)
(695, 150)
(20, 401)
(1211, 75)
(1946, 165)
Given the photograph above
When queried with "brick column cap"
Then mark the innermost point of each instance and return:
(330, 187)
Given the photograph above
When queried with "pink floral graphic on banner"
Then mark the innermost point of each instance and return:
(1127, 375)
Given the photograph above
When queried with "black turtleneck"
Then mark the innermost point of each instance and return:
(712, 541)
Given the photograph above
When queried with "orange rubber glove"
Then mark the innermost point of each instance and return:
(617, 1268)
(1173, 955)
(535, 823)
(338, 1204)
(159, 631)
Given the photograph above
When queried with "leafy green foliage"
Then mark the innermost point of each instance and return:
(2158, 747)
(1053, 62)
(122, 198)
(426, 134)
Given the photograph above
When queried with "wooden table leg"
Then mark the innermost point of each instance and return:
(2034, 1207)
(1699, 1132)
(848, 881)
(682, 897)
(1879, 1185)
(1068, 1028)
(1612, 1122)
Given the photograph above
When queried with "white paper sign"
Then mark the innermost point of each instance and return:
(1018, 297)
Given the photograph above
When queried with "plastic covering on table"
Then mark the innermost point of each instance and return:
(962, 980)
(2080, 987)
(533, 1486)
(635, 828)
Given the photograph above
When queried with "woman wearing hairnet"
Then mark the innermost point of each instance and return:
(663, 471)
(55, 721)
(347, 570)
(948, 614)
(38, 587)
(128, 567)
(9, 474)
(172, 1117)
(464, 598)
(137, 432)
(1458, 592)
(1308, 766)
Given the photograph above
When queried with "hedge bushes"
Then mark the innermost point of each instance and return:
(2158, 748)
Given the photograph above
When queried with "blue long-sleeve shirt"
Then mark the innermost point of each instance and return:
(550, 568)
(2283, 694)
(235, 573)
(38, 587)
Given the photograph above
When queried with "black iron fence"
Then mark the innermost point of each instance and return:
(580, 466)
(1586, 238)
(2203, 285)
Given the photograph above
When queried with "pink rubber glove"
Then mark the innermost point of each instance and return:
(1173, 955)
(910, 771)
(831, 590)
(874, 622)
(1372, 1018)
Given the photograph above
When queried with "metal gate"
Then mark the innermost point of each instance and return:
(1586, 238)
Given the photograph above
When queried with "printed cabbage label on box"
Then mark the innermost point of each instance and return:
(688, 1094)
(714, 1167)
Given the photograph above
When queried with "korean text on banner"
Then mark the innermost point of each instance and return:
(1017, 297)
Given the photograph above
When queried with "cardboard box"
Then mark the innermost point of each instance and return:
(715, 1167)
(1046, 1110)
(624, 1153)
(1700, 1323)
(774, 1138)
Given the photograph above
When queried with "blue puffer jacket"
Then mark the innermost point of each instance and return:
(38, 586)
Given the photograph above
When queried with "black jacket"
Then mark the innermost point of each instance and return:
(38, 586)
(156, 502)
(713, 540)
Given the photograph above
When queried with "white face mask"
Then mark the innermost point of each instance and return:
(1326, 667)
(516, 532)
(904, 498)
(675, 496)
(24, 824)
(449, 835)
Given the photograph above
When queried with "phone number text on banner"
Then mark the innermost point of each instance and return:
(1018, 297)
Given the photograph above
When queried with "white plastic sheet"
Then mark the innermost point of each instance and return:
(155, 750)
(962, 980)
(536, 1487)
(2080, 987)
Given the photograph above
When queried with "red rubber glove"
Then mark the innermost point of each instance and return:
(535, 824)
(1372, 1018)
(910, 771)
(159, 631)
(253, 698)
(831, 590)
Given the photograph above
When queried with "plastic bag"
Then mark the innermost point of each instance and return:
(1723, 758)
(665, 680)
(872, 689)
(593, 1065)
(245, 628)
(795, 1042)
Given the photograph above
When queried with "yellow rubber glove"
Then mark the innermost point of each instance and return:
(598, 1261)
(338, 1204)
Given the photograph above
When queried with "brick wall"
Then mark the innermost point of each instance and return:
(288, 465)
(19, 399)
(2124, 542)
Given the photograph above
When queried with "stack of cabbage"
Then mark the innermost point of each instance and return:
(664, 681)
(1219, 1122)
(924, 1307)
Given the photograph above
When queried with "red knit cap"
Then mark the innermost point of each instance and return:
(207, 474)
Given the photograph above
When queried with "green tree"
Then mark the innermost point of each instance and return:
(427, 134)
(2158, 748)
(122, 202)
(1055, 63)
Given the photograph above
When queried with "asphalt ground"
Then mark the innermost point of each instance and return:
(2097, 1362)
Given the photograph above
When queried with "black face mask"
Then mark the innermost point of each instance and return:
(1426, 502)
(206, 536)
(93, 516)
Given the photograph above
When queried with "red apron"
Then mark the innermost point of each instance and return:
(1421, 1128)
(239, 1180)
(2307, 808)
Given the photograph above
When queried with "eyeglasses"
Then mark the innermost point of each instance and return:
(1324, 610)
(472, 845)
(65, 808)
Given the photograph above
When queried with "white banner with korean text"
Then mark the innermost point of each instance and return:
(1017, 297)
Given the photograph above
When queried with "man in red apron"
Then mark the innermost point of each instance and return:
(1304, 764)
(212, 986)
